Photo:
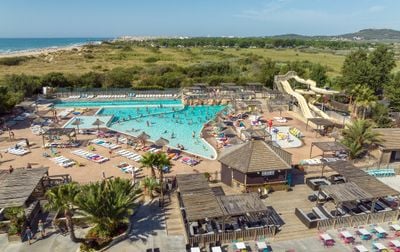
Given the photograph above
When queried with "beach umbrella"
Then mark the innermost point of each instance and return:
(143, 137)
(229, 132)
(161, 142)
(76, 123)
(31, 116)
(221, 125)
(234, 140)
(97, 123)
(39, 120)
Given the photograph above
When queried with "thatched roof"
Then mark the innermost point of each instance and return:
(346, 192)
(321, 121)
(98, 122)
(16, 187)
(255, 156)
(161, 142)
(255, 133)
(330, 146)
(390, 138)
(143, 136)
(363, 180)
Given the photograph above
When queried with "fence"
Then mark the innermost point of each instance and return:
(357, 220)
(226, 237)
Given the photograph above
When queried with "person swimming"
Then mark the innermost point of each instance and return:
(165, 132)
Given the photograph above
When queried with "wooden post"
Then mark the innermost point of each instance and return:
(312, 144)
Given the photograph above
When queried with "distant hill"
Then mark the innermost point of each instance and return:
(374, 34)
(366, 34)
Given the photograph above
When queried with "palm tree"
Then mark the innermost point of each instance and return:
(162, 162)
(358, 136)
(149, 185)
(62, 198)
(108, 203)
(365, 99)
(149, 160)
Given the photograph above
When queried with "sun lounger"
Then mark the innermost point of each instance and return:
(18, 152)
(189, 161)
(63, 161)
(105, 144)
(90, 156)
(129, 155)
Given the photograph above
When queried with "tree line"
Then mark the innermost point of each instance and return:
(243, 70)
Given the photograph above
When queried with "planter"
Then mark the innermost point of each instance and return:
(14, 238)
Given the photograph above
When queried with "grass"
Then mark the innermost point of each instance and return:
(106, 57)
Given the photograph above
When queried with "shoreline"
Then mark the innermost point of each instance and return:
(40, 51)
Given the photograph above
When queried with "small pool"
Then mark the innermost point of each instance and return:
(86, 122)
(117, 103)
(285, 139)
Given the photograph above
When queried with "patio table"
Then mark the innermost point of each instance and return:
(240, 245)
(395, 243)
(216, 249)
(381, 233)
(379, 246)
(195, 249)
(360, 248)
(261, 245)
(395, 227)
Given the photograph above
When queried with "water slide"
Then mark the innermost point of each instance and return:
(283, 83)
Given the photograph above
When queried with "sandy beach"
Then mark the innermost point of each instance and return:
(41, 51)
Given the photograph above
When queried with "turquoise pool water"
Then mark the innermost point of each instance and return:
(180, 125)
(117, 103)
(87, 121)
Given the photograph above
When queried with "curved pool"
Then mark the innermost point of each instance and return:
(181, 125)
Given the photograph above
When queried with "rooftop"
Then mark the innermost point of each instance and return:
(363, 180)
(330, 146)
(256, 156)
(390, 138)
(17, 187)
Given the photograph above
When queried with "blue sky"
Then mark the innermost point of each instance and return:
(111, 18)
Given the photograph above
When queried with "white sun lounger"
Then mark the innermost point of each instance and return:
(18, 152)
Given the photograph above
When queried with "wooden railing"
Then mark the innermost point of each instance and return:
(249, 234)
(357, 220)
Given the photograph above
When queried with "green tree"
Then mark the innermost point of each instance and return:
(149, 185)
(55, 79)
(318, 74)
(382, 63)
(392, 92)
(108, 203)
(62, 198)
(365, 99)
(149, 160)
(358, 136)
(162, 162)
(380, 115)
(355, 70)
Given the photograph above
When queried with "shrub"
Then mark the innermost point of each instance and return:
(151, 59)
(12, 61)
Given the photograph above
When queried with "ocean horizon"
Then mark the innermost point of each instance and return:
(14, 45)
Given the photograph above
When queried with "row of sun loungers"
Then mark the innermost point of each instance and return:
(129, 155)
(87, 96)
(18, 152)
(382, 172)
(127, 168)
(63, 161)
(105, 144)
(90, 156)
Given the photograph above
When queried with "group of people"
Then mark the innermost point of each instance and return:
(30, 235)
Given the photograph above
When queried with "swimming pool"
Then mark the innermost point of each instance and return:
(86, 122)
(169, 119)
(180, 125)
(117, 103)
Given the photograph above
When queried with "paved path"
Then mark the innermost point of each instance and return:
(149, 232)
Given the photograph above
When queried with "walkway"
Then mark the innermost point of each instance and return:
(149, 232)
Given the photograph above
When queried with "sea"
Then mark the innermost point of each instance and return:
(12, 45)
